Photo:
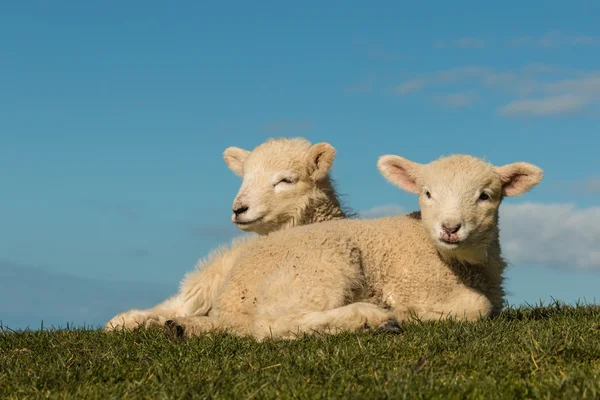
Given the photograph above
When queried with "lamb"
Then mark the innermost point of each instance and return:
(286, 183)
(442, 261)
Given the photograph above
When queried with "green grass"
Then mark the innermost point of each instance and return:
(537, 352)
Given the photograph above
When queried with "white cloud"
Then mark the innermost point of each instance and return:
(472, 72)
(539, 69)
(409, 86)
(561, 104)
(557, 97)
(536, 89)
(484, 76)
(456, 100)
(553, 234)
(382, 211)
(549, 40)
(470, 43)
(586, 40)
(553, 39)
(587, 84)
(590, 185)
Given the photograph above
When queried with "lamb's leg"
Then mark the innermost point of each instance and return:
(155, 316)
(197, 295)
(469, 305)
(352, 317)
(465, 305)
(348, 318)
(200, 288)
(186, 327)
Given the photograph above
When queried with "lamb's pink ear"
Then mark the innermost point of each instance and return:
(517, 178)
(235, 157)
(400, 172)
(320, 160)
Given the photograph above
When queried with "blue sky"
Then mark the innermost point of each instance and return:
(114, 116)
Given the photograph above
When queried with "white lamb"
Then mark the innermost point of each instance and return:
(347, 275)
(286, 183)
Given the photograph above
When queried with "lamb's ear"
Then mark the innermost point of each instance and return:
(235, 157)
(517, 178)
(320, 160)
(400, 172)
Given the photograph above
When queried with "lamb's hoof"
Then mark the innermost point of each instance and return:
(390, 327)
(173, 330)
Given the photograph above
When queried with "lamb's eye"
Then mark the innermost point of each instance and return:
(285, 180)
(428, 194)
(484, 196)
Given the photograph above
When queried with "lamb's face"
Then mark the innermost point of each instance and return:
(279, 179)
(460, 195)
(459, 198)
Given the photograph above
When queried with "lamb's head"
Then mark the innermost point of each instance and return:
(459, 196)
(282, 178)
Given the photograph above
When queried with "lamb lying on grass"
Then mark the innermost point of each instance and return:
(285, 183)
(346, 275)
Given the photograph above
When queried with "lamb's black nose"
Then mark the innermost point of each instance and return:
(240, 210)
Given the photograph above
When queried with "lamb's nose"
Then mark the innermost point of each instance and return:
(449, 229)
(240, 210)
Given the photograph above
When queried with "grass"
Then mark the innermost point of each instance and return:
(535, 352)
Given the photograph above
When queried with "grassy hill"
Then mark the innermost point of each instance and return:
(535, 352)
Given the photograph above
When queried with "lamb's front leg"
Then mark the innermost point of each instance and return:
(155, 316)
(464, 304)
(186, 327)
(200, 288)
(197, 295)
(349, 318)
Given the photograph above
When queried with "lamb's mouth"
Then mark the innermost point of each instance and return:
(248, 223)
(450, 242)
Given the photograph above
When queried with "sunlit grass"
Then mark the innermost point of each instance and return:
(534, 352)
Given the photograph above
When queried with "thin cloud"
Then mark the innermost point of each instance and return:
(553, 39)
(382, 211)
(482, 75)
(409, 86)
(540, 69)
(563, 104)
(462, 43)
(587, 84)
(590, 185)
(586, 40)
(470, 43)
(486, 76)
(537, 90)
(456, 100)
